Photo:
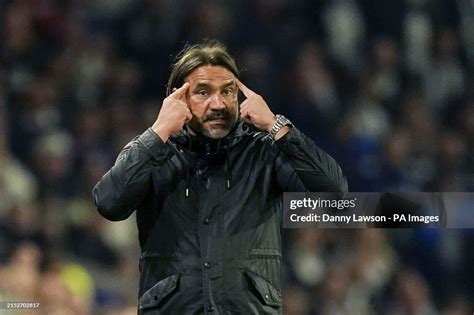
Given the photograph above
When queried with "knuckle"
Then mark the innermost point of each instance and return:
(168, 102)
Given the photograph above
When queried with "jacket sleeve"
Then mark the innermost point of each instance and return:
(123, 187)
(303, 166)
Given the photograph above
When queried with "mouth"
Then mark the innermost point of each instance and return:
(217, 120)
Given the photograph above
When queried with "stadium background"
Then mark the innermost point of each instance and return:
(384, 86)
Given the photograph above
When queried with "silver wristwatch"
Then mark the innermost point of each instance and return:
(280, 122)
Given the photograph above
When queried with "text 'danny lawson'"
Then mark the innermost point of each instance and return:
(384, 209)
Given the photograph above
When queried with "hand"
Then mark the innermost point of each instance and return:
(174, 114)
(254, 109)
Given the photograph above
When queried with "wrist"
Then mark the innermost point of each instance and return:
(283, 131)
(270, 124)
(161, 132)
(280, 127)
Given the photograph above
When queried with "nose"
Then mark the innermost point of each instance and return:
(217, 102)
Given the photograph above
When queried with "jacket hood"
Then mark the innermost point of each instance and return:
(209, 149)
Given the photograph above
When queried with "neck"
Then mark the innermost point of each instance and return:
(205, 146)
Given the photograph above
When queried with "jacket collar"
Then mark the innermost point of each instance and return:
(238, 132)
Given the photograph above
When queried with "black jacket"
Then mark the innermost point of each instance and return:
(209, 214)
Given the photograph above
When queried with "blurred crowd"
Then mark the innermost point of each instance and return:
(386, 87)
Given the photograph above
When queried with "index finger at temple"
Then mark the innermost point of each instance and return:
(247, 92)
(181, 91)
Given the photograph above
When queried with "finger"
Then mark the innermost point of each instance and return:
(243, 111)
(179, 93)
(245, 114)
(188, 118)
(188, 115)
(247, 119)
(247, 92)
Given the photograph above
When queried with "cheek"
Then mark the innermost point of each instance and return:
(197, 108)
(234, 108)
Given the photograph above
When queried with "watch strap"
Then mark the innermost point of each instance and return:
(279, 123)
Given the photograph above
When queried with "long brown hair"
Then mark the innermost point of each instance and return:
(208, 52)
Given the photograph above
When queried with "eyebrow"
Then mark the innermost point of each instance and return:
(206, 85)
(231, 83)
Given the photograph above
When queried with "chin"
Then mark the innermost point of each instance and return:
(216, 134)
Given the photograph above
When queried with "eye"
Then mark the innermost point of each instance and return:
(202, 92)
(228, 92)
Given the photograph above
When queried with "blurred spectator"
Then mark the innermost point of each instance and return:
(306, 259)
(445, 77)
(295, 301)
(52, 161)
(412, 296)
(87, 243)
(21, 275)
(373, 267)
(56, 291)
(313, 95)
(346, 33)
(20, 225)
(417, 36)
(17, 184)
(336, 297)
(458, 305)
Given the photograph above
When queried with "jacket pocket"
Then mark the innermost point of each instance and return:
(153, 296)
(265, 253)
(268, 293)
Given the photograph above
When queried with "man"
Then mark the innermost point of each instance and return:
(208, 191)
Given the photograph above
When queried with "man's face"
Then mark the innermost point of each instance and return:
(212, 99)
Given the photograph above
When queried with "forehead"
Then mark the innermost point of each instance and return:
(208, 74)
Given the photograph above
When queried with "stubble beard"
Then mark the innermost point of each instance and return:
(203, 126)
